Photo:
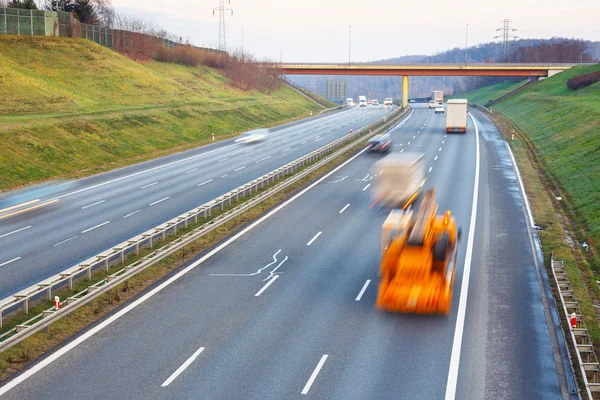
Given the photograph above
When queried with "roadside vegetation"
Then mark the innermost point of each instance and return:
(72, 108)
(488, 94)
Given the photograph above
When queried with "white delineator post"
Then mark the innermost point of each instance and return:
(213, 137)
(513, 135)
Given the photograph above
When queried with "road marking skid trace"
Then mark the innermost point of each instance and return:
(65, 241)
(186, 364)
(464, 287)
(160, 201)
(314, 374)
(93, 204)
(150, 184)
(9, 261)
(18, 230)
(141, 300)
(362, 291)
(273, 279)
(314, 238)
(94, 227)
(344, 209)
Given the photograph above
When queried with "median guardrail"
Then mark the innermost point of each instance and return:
(580, 338)
(298, 168)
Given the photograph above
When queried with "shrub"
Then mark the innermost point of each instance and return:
(583, 80)
(188, 55)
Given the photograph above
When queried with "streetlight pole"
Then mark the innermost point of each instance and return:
(349, 44)
(466, 43)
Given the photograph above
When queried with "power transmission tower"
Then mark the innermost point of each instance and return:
(222, 10)
(506, 35)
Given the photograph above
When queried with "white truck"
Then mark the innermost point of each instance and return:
(437, 96)
(350, 101)
(397, 177)
(456, 115)
(362, 101)
(388, 101)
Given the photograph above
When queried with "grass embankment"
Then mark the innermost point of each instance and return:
(557, 148)
(72, 108)
(487, 94)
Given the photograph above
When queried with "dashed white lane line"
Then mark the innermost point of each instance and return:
(289, 148)
(18, 230)
(418, 132)
(223, 176)
(65, 241)
(8, 262)
(445, 135)
(401, 150)
(344, 209)
(314, 238)
(304, 142)
(443, 141)
(263, 159)
(191, 170)
(183, 367)
(366, 187)
(248, 151)
(130, 214)
(414, 137)
(407, 143)
(273, 279)
(435, 159)
(430, 168)
(94, 227)
(362, 291)
(239, 169)
(314, 374)
(93, 204)
(223, 159)
(147, 186)
(205, 182)
(440, 149)
(160, 201)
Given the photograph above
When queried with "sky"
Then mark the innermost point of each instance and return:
(318, 30)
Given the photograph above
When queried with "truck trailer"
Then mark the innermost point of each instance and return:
(456, 115)
(397, 177)
(437, 96)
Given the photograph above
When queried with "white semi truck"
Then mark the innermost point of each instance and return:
(437, 96)
(456, 115)
(362, 101)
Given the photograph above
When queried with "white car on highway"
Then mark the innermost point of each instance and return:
(439, 109)
(253, 136)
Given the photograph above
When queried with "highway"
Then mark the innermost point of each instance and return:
(285, 308)
(99, 212)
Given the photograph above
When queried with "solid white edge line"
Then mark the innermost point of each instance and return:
(273, 279)
(94, 227)
(124, 311)
(314, 374)
(159, 201)
(362, 291)
(314, 238)
(93, 204)
(183, 367)
(18, 230)
(8, 262)
(518, 173)
(344, 209)
(464, 287)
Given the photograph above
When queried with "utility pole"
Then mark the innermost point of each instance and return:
(242, 43)
(466, 43)
(222, 10)
(506, 35)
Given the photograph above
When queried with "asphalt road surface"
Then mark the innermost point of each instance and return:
(285, 308)
(99, 212)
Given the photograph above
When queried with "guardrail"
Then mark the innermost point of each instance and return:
(300, 168)
(580, 338)
(313, 96)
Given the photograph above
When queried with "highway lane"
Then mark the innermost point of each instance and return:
(291, 295)
(96, 213)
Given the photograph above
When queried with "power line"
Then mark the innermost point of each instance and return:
(222, 10)
(506, 35)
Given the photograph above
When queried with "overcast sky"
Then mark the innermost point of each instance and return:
(317, 30)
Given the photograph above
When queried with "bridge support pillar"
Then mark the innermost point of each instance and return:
(404, 91)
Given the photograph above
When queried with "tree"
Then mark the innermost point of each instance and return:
(85, 10)
(24, 4)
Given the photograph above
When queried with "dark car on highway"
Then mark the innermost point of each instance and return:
(380, 144)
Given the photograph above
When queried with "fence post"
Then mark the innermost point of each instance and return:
(31, 20)
(18, 22)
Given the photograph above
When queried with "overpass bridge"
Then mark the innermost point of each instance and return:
(406, 70)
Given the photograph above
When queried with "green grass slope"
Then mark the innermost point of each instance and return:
(564, 126)
(71, 108)
(487, 94)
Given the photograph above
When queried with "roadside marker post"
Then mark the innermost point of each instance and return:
(213, 137)
(513, 135)
(57, 302)
(573, 320)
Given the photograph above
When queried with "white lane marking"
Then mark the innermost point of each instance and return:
(443, 141)
(435, 159)
(518, 173)
(407, 143)
(223, 159)
(314, 238)
(18, 230)
(160, 201)
(223, 176)
(366, 187)
(183, 367)
(445, 135)
(440, 149)
(289, 148)
(362, 291)
(314, 374)
(430, 168)
(464, 287)
(318, 139)
(248, 151)
(414, 137)
(344, 209)
(142, 172)
(273, 279)
(8, 262)
(263, 159)
(418, 132)
(94, 227)
(401, 150)
(94, 204)
(191, 170)
(423, 126)
(304, 142)
(124, 311)
(147, 186)
(205, 182)
(130, 214)
(239, 169)
(65, 241)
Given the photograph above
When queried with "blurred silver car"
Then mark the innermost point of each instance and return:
(252, 136)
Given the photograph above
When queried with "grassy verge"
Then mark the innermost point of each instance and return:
(487, 94)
